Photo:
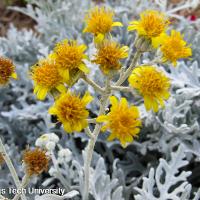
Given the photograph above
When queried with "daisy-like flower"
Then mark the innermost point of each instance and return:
(46, 78)
(71, 111)
(1, 159)
(7, 70)
(174, 48)
(152, 84)
(122, 121)
(36, 161)
(100, 22)
(69, 58)
(109, 54)
(152, 25)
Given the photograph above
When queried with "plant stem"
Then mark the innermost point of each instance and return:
(10, 167)
(93, 84)
(88, 132)
(125, 89)
(103, 103)
(92, 141)
(92, 121)
(59, 175)
(121, 88)
(130, 69)
(24, 183)
(88, 160)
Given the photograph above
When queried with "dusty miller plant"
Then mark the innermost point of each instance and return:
(161, 132)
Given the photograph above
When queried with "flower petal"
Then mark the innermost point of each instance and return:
(61, 88)
(87, 98)
(65, 75)
(42, 93)
(99, 38)
(117, 24)
(67, 127)
(52, 110)
(14, 75)
(111, 137)
(113, 101)
(83, 68)
(101, 118)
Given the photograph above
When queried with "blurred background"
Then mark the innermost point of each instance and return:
(8, 16)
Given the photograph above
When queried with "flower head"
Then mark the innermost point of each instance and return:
(152, 25)
(109, 54)
(152, 84)
(1, 159)
(36, 161)
(46, 78)
(71, 111)
(100, 22)
(47, 141)
(64, 155)
(69, 58)
(174, 48)
(7, 70)
(122, 121)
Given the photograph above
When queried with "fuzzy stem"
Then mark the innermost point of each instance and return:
(92, 121)
(10, 167)
(88, 132)
(125, 89)
(103, 103)
(93, 84)
(121, 88)
(24, 183)
(59, 175)
(88, 160)
(92, 141)
(130, 69)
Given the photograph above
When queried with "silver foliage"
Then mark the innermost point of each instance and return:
(149, 166)
(165, 182)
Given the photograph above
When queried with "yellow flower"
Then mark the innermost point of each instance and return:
(122, 121)
(152, 84)
(99, 22)
(174, 48)
(1, 159)
(69, 58)
(152, 25)
(46, 78)
(109, 54)
(71, 111)
(7, 70)
(36, 161)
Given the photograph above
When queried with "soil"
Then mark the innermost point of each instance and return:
(9, 16)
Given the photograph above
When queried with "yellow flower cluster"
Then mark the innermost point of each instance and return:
(1, 159)
(100, 23)
(46, 78)
(174, 48)
(71, 111)
(60, 67)
(153, 26)
(36, 161)
(7, 70)
(66, 64)
(69, 56)
(109, 54)
(152, 84)
(123, 121)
